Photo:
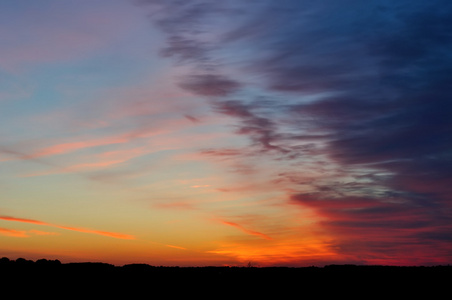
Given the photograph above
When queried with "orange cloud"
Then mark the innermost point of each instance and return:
(84, 230)
(104, 233)
(6, 218)
(12, 232)
(248, 231)
(176, 247)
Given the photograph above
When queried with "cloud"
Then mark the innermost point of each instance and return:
(359, 92)
(397, 121)
(99, 232)
(6, 218)
(260, 129)
(209, 85)
(13, 232)
(247, 231)
(78, 229)
(382, 227)
(223, 152)
(74, 146)
(192, 118)
(176, 247)
(23, 233)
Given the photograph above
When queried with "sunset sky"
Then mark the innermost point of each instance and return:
(202, 132)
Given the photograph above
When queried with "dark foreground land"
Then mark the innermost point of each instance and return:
(338, 279)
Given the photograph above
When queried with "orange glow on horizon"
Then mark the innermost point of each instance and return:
(280, 253)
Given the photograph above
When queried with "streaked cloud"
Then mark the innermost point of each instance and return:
(290, 132)
(78, 229)
(360, 98)
(13, 232)
(247, 231)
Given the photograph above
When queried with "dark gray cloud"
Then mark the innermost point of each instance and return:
(368, 80)
(209, 85)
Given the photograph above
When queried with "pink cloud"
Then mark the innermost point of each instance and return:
(84, 143)
(73, 146)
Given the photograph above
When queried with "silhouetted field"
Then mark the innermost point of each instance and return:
(338, 278)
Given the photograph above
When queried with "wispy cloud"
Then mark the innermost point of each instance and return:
(78, 229)
(24, 233)
(7, 218)
(73, 146)
(13, 232)
(361, 98)
(333, 116)
(246, 230)
(176, 247)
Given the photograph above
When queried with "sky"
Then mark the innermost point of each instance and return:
(223, 133)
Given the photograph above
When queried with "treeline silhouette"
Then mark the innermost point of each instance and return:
(87, 269)
(247, 280)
